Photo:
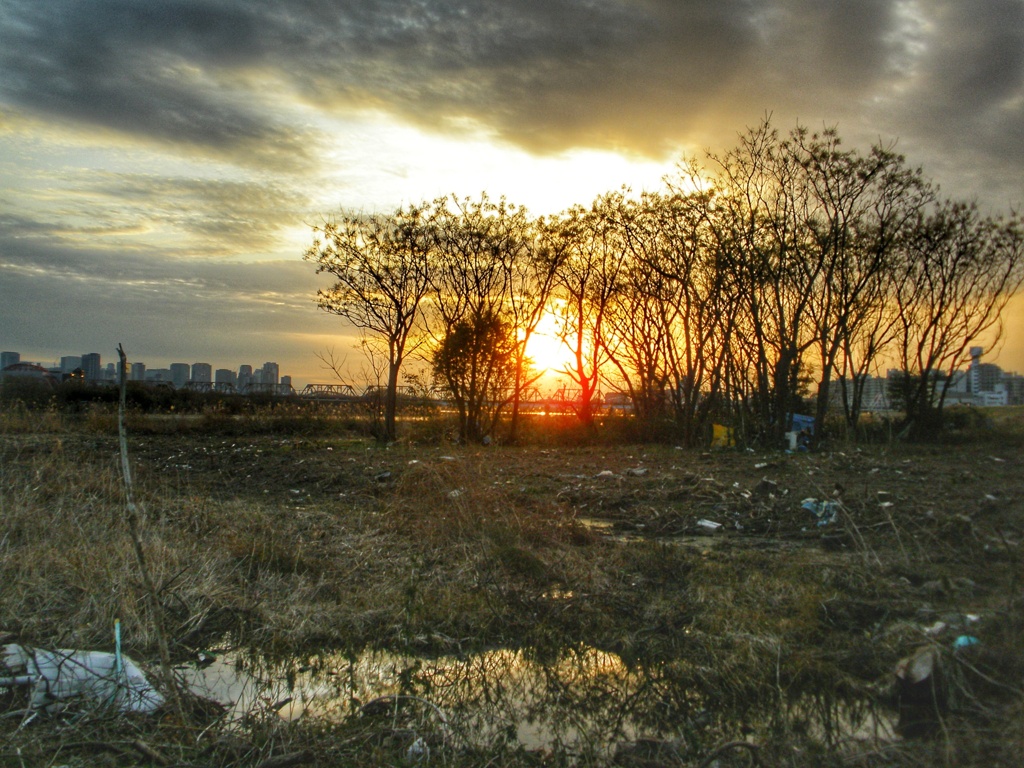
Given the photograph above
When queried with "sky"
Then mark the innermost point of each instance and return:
(162, 163)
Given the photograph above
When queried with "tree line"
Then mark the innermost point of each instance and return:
(786, 262)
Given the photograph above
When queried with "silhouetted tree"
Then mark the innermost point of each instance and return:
(476, 362)
(533, 268)
(963, 270)
(474, 245)
(669, 236)
(586, 283)
(380, 265)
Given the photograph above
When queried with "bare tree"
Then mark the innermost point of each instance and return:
(588, 279)
(642, 314)
(380, 265)
(474, 243)
(965, 268)
(533, 268)
(758, 220)
(671, 238)
(476, 361)
(856, 210)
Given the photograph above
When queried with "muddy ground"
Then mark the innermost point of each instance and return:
(775, 575)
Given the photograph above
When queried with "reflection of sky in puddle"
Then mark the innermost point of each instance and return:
(581, 700)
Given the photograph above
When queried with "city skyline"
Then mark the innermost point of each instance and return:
(198, 371)
(162, 165)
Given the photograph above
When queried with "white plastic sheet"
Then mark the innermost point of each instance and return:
(57, 675)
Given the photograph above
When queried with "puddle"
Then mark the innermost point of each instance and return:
(575, 702)
(582, 701)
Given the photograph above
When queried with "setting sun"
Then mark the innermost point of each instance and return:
(546, 349)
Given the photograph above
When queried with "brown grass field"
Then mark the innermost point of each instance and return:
(298, 538)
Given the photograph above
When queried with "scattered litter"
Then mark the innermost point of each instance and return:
(885, 504)
(383, 477)
(637, 471)
(418, 751)
(936, 629)
(919, 666)
(997, 459)
(921, 698)
(965, 641)
(710, 525)
(455, 494)
(413, 461)
(722, 436)
(825, 511)
(605, 473)
(801, 423)
(446, 458)
(766, 487)
(109, 679)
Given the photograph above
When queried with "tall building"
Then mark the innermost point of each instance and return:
(225, 376)
(286, 385)
(92, 366)
(202, 373)
(69, 363)
(244, 377)
(9, 358)
(138, 372)
(179, 374)
(270, 373)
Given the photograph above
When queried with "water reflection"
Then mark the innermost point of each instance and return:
(579, 701)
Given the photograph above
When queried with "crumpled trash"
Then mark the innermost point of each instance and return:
(722, 436)
(710, 525)
(965, 641)
(919, 666)
(921, 695)
(826, 512)
(106, 678)
(419, 751)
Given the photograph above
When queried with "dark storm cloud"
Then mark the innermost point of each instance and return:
(142, 68)
(969, 91)
(643, 75)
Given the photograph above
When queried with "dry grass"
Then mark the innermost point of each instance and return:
(289, 542)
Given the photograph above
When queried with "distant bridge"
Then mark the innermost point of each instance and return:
(566, 400)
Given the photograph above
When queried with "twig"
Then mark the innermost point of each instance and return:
(286, 761)
(729, 746)
(132, 515)
(147, 751)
